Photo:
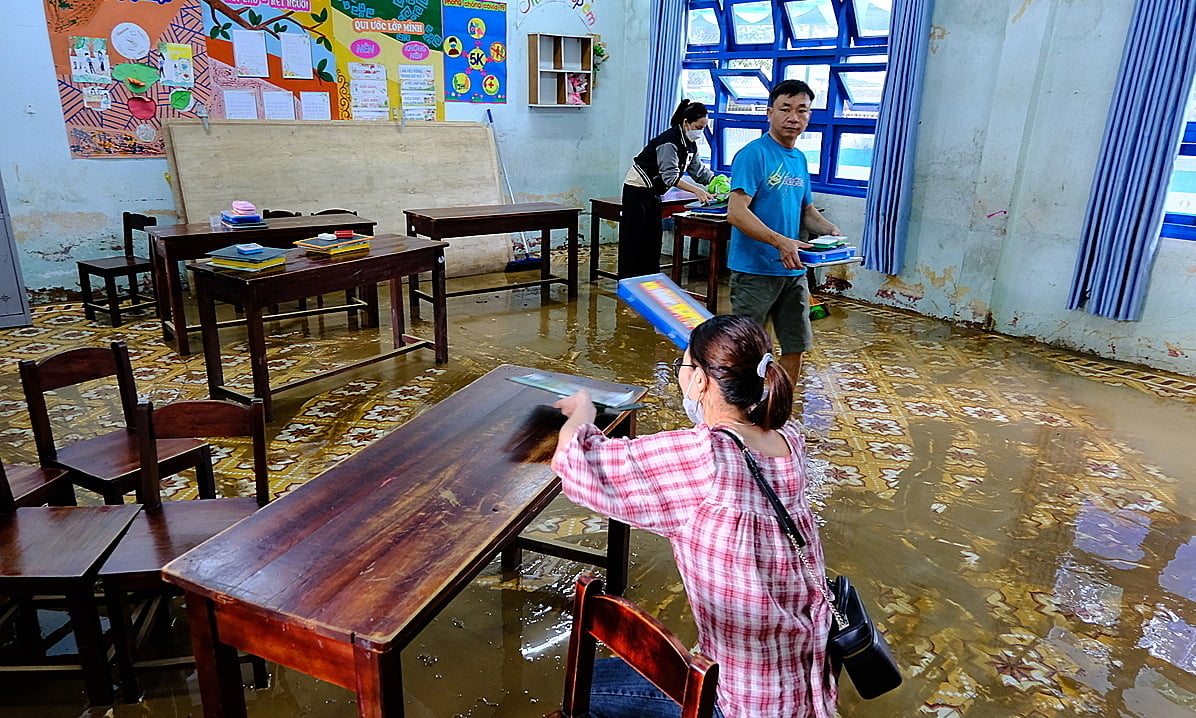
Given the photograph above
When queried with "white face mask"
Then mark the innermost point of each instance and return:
(693, 135)
(693, 408)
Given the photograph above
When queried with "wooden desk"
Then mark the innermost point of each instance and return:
(714, 229)
(174, 243)
(447, 222)
(390, 258)
(611, 208)
(335, 578)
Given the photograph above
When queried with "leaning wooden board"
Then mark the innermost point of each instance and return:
(378, 169)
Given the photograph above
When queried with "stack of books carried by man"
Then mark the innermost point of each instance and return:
(243, 215)
(331, 244)
(248, 258)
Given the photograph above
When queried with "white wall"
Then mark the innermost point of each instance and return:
(1013, 113)
(69, 209)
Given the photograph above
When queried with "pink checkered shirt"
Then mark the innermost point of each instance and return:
(758, 613)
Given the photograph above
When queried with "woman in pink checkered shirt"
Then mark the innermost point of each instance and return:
(759, 614)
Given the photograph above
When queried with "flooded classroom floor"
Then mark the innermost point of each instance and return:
(1019, 518)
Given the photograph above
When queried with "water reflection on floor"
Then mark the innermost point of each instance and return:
(1019, 518)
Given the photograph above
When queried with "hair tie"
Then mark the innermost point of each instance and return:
(763, 365)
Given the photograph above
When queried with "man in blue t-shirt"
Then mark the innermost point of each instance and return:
(770, 201)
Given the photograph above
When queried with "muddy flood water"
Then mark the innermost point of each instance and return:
(1018, 518)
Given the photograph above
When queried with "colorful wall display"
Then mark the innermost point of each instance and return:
(124, 66)
(475, 51)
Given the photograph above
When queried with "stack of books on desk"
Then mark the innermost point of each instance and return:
(231, 258)
(718, 208)
(242, 215)
(335, 244)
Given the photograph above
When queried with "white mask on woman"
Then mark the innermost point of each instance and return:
(693, 408)
(693, 135)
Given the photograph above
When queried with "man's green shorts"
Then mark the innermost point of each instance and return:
(785, 301)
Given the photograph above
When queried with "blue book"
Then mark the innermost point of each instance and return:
(670, 308)
(232, 254)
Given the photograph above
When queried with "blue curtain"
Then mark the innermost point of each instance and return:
(1129, 187)
(890, 184)
(667, 47)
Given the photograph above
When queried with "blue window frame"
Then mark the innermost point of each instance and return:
(1180, 220)
(838, 47)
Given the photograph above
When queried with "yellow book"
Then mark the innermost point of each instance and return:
(247, 266)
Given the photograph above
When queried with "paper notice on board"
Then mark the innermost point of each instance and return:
(371, 113)
(178, 68)
(419, 113)
(240, 105)
(296, 55)
(417, 77)
(249, 52)
(278, 105)
(89, 60)
(367, 71)
(315, 105)
(418, 98)
(369, 93)
(96, 98)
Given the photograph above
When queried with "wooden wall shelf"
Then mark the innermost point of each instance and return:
(553, 62)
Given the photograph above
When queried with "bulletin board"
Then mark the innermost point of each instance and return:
(124, 67)
(378, 169)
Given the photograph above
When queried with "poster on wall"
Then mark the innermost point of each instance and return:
(475, 51)
(122, 68)
(340, 59)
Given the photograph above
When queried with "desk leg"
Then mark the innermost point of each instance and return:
(215, 663)
(213, 362)
(595, 224)
(678, 249)
(413, 280)
(618, 546)
(89, 638)
(440, 309)
(398, 324)
(256, 335)
(379, 683)
(574, 238)
(545, 263)
(178, 315)
(157, 262)
(369, 292)
(712, 277)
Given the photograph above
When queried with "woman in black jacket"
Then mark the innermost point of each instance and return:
(654, 171)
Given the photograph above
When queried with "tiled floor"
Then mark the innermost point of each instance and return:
(1018, 517)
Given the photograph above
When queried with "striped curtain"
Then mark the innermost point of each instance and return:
(890, 185)
(664, 64)
(1129, 188)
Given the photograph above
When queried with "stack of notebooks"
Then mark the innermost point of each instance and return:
(243, 215)
(232, 258)
(827, 248)
(717, 208)
(335, 243)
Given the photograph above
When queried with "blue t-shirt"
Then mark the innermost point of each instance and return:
(778, 181)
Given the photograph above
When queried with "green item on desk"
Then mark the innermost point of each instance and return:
(720, 186)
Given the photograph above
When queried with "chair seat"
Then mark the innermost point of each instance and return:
(158, 536)
(34, 485)
(116, 265)
(58, 543)
(114, 457)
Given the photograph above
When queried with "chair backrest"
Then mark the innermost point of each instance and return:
(334, 211)
(640, 640)
(200, 419)
(133, 222)
(8, 504)
(279, 213)
(67, 368)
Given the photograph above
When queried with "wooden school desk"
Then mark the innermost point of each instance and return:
(335, 578)
(712, 228)
(611, 208)
(448, 222)
(389, 259)
(174, 243)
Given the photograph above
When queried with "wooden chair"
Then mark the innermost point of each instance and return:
(640, 640)
(279, 213)
(166, 530)
(38, 486)
(110, 269)
(107, 464)
(58, 550)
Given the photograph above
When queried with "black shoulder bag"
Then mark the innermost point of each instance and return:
(853, 643)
